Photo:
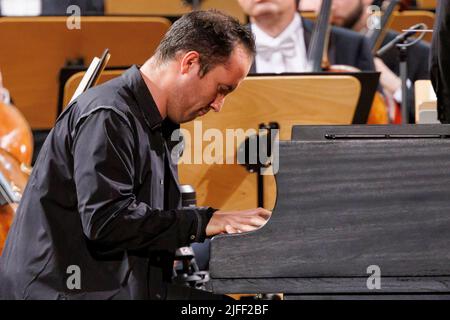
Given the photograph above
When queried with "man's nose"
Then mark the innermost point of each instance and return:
(218, 103)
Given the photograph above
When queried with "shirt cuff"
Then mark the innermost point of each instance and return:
(203, 214)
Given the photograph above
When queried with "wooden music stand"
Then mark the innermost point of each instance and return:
(170, 8)
(38, 47)
(146, 7)
(286, 100)
(427, 4)
(405, 19)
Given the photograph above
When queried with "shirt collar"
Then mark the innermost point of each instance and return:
(135, 82)
(295, 27)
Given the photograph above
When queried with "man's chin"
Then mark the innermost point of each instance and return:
(338, 21)
(187, 119)
(265, 11)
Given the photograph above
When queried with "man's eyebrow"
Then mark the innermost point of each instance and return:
(228, 88)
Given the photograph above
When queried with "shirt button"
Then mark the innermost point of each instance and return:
(161, 181)
(192, 237)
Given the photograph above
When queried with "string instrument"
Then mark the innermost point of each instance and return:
(318, 59)
(15, 134)
(13, 180)
(16, 151)
(376, 36)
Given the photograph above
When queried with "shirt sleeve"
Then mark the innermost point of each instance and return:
(112, 219)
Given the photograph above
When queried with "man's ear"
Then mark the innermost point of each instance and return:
(189, 61)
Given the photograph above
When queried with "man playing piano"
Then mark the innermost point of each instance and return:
(101, 217)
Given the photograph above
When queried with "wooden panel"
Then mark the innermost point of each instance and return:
(230, 7)
(288, 101)
(31, 59)
(310, 15)
(427, 4)
(73, 82)
(37, 48)
(170, 7)
(131, 40)
(405, 19)
(145, 7)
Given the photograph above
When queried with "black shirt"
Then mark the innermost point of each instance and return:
(440, 60)
(104, 197)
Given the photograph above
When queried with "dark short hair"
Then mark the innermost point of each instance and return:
(211, 33)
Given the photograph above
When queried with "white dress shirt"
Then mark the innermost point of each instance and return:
(284, 53)
(21, 7)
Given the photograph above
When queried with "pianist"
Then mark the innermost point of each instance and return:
(101, 217)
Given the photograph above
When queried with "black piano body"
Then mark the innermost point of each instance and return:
(353, 203)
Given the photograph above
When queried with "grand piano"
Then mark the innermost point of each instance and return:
(350, 200)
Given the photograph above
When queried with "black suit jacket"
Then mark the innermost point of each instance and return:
(346, 47)
(59, 7)
(440, 60)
